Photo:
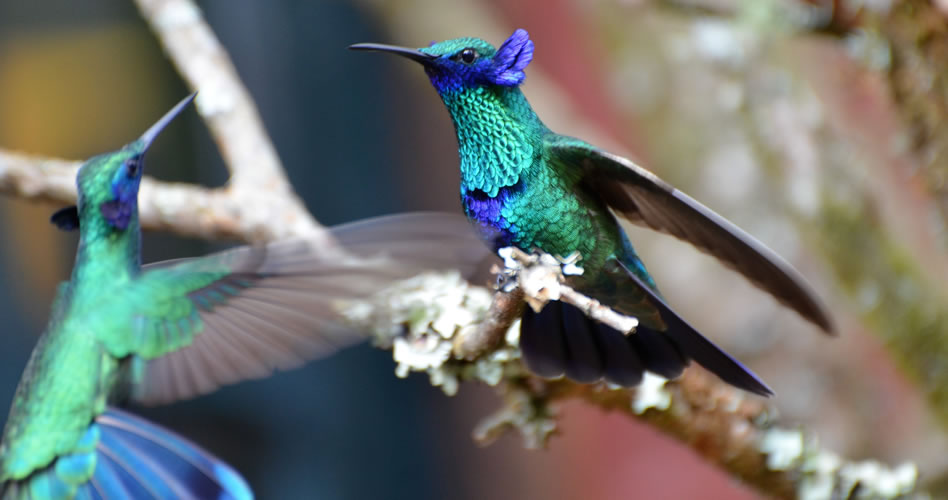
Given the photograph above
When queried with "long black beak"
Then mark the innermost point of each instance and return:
(149, 136)
(413, 54)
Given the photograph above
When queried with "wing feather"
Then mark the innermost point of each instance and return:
(246, 312)
(644, 199)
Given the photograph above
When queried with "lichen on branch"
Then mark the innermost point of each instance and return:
(421, 319)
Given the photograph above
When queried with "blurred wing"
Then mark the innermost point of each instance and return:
(246, 312)
(641, 197)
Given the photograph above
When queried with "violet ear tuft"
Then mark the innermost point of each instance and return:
(117, 213)
(511, 58)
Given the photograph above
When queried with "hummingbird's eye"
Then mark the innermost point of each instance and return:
(468, 55)
(133, 166)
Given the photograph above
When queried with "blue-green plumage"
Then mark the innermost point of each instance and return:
(61, 435)
(167, 331)
(526, 186)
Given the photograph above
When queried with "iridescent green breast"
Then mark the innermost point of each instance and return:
(517, 193)
(59, 395)
(546, 210)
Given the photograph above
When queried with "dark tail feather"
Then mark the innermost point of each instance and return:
(712, 357)
(695, 346)
(561, 339)
(138, 459)
(584, 355)
(659, 352)
(624, 364)
(542, 342)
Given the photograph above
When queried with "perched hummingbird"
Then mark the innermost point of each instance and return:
(524, 185)
(181, 328)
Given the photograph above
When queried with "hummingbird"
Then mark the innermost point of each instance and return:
(119, 332)
(526, 186)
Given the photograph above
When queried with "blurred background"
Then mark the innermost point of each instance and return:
(815, 125)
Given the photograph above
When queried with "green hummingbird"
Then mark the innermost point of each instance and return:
(119, 331)
(526, 186)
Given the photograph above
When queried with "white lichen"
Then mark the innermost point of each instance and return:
(445, 379)
(420, 353)
(783, 447)
(535, 421)
(819, 478)
(492, 368)
(875, 480)
(419, 319)
(651, 393)
(824, 475)
(719, 41)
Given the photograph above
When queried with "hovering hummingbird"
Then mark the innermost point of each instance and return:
(526, 186)
(181, 328)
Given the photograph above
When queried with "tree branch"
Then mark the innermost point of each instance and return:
(268, 206)
(258, 204)
(38, 178)
(728, 427)
(184, 209)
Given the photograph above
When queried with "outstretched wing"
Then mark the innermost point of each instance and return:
(243, 313)
(641, 197)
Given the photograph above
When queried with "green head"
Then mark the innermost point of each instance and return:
(108, 183)
(462, 64)
(496, 129)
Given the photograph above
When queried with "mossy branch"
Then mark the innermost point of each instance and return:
(421, 319)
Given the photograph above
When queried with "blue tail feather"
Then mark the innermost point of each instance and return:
(105, 482)
(147, 458)
(138, 474)
(123, 456)
(85, 493)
